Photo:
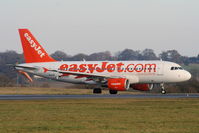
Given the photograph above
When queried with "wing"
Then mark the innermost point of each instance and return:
(99, 77)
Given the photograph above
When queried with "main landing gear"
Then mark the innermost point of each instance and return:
(113, 91)
(99, 91)
(163, 91)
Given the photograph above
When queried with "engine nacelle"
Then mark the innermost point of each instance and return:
(119, 84)
(142, 87)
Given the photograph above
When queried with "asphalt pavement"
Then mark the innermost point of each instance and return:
(96, 96)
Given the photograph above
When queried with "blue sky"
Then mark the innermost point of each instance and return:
(87, 26)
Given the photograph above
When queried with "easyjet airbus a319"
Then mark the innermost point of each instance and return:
(114, 75)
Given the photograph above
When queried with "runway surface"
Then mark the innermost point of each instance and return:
(94, 96)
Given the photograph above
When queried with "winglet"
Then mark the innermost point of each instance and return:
(33, 51)
(26, 75)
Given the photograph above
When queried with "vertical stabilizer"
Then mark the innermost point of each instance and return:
(33, 51)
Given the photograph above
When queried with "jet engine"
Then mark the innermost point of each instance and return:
(118, 84)
(142, 87)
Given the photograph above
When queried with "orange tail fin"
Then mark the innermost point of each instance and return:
(33, 51)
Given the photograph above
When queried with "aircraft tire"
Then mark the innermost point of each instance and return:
(97, 90)
(113, 91)
(163, 92)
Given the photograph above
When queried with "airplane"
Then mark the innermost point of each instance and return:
(114, 75)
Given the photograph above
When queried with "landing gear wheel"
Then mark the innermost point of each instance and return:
(97, 90)
(112, 91)
(163, 92)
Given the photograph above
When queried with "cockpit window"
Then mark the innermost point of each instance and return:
(180, 68)
(176, 68)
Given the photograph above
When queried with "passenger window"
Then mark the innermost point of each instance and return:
(172, 68)
(176, 68)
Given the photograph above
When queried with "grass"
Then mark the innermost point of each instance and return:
(56, 91)
(100, 116)
(37, 91)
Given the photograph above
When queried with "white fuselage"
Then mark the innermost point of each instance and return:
(134, 71)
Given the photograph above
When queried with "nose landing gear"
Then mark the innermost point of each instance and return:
(163, 91)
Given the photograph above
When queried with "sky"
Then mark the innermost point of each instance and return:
(88, 26)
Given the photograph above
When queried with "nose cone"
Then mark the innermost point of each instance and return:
(187, 75)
